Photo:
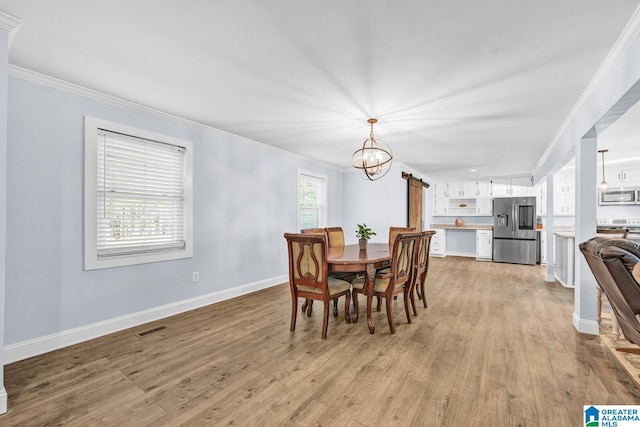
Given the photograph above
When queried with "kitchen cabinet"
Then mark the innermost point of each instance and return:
(439, 243)
(541, 200)
(501, 188)
(440, 205)
(544, 256)
(441, 190)
(628, 177)
(462, 189)
(461, 198)
(512, 187)
(564, 204)
(564, 183)
(484, 206)
(564, 258)
(564, 198)
(462, 207)
(483, 189)
(484, 245)
(522, 187)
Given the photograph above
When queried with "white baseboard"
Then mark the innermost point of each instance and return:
(550, 278)
(3, 400)
(586, 326)
(40, 345)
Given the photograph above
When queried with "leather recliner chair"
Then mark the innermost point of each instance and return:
(612, 262)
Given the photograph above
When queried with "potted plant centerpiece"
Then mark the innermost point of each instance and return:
(364, 233)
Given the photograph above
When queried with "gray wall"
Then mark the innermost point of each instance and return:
(244, 200)
(380, 204)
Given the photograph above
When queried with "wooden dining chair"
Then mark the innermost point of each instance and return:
(421, 265)
(393, 232)
(313, 231)
(309, 278)
(397, 281)
(335, 237)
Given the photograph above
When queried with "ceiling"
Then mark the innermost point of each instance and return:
(455, 85)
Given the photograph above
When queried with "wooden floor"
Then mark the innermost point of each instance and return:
(495, 347)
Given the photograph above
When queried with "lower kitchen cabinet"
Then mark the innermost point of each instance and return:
(484, 245)
(564, 258)
(439, 243)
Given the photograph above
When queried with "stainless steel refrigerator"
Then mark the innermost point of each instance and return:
(514, 230)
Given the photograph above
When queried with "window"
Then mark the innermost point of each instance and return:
(138, 196)
(312, 200)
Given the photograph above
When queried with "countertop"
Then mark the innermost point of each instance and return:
(464, 227)
(565, 234)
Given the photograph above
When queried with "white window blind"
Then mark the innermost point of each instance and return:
(311, 201)
(140, 196)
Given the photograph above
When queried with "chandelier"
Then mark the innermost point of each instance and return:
(374, 157)
(603, 184)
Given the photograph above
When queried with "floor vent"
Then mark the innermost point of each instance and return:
(150, 331)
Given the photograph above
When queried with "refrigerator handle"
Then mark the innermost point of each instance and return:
(515, 221)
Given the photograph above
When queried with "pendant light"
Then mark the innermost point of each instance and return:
(374, 157)
(603, 185)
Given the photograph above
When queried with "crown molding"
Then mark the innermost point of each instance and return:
(615, 55)
(10, 24)
(52, 82)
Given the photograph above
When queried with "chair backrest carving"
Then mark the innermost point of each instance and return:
(422, 252)
(307, 260)
(402, 257)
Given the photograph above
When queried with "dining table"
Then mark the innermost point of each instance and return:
(352, 259)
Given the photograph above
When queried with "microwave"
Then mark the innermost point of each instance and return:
(619, 197)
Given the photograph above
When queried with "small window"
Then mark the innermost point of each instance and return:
(312, 200)
(138, 197)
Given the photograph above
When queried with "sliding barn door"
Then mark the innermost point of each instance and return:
(415, 203)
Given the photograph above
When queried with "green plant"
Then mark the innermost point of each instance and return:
(364, 232)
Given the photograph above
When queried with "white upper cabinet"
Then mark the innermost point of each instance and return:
(440, 205)
(628, 177)
(564, 187)
(484, 206)
(442, 190)
(483, 188)
(522, 186)
(564, 183)
(509, 187)
(541, 199)
(501, 188)
(462, 189)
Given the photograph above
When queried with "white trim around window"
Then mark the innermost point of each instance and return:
(138, 196)
(311, 213)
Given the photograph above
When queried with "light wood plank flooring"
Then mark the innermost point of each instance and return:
(495, 347)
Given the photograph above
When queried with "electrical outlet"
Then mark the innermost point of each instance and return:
(196, 277)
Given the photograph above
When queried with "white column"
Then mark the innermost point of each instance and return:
(549, 276)
(7, 24)
(585, 310)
